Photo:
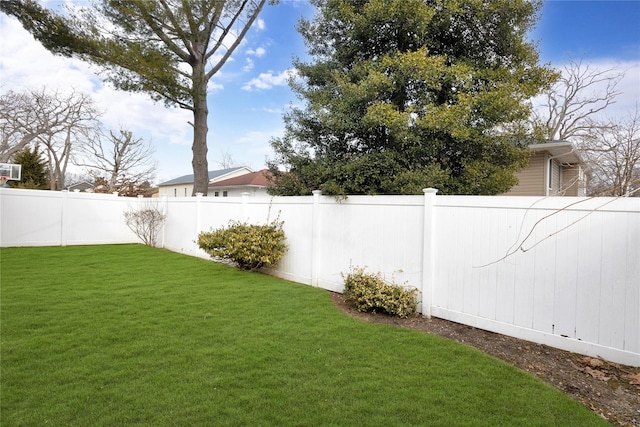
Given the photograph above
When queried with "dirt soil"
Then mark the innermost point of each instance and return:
(609, 389)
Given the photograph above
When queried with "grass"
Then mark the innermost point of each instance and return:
(131, 335)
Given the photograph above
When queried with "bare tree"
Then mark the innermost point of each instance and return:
(18, 124)
(72, 178)
(54, 120)
(226, 160)
(612, 153)
(145, 222)
(569, 105)
(124, 162)
(70, 119)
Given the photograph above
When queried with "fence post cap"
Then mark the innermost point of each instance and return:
(429, 190)
(316, 192)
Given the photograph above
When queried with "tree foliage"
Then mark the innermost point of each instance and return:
(406, 94)
(169, 49)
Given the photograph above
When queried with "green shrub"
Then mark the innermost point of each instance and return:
(370, 293)
(249, 246)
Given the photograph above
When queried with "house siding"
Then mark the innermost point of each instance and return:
(179, 190)
(532, 179)
(546, 176)
(238, 191)
(572, 178)
(186, 189)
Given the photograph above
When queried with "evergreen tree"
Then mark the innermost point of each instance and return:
(406, 94)
(34, 170)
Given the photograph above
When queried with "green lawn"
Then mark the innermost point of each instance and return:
(132, 335)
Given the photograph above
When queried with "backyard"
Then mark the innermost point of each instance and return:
(128, 334)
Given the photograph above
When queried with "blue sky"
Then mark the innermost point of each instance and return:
(589, 30)
(249, 95)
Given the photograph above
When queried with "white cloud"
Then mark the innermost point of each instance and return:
(269, 80)
(259, 23)
(26, 64)
(259, 52)
(249, 65)
(214, 87)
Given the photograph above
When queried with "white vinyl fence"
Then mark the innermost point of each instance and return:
(52, 218)
(558, 271)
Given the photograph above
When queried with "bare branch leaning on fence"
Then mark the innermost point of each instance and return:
(521, 246)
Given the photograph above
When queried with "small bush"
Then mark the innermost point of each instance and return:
(370, 293)
(248, 246)
(145, 222)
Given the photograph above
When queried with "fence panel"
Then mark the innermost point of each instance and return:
(573, 266)
(180, 227)
(30, 218)
(97, 219)
(383, 234)
(47, 218)
(297, 214)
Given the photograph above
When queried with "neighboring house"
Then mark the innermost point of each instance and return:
(555, 169)
(254, 183)
(183, 186)
(81, 186)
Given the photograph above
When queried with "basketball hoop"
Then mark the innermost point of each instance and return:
(9, 171)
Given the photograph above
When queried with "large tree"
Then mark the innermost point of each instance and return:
(71, 118)
(167, 48)
(406, 94)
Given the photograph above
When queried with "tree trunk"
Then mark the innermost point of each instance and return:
(200, 129)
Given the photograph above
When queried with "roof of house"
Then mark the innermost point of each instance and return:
(253, 179)
(80, 186)
(188, 179)
(564, 151)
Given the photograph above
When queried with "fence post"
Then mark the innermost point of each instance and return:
(428, 244)
(315, 238)
(198, 214)
(164, 200)
(64, 214)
